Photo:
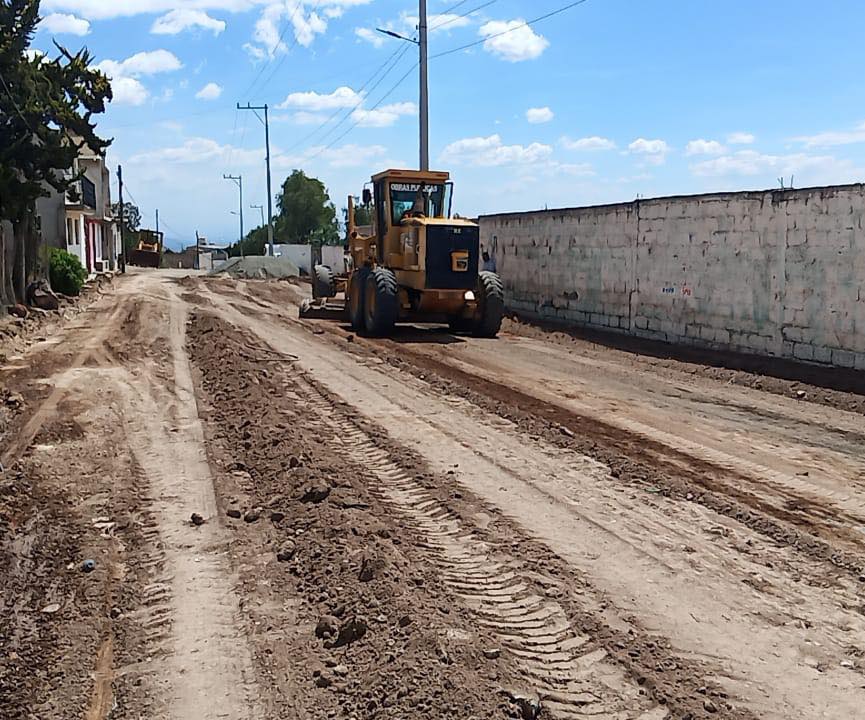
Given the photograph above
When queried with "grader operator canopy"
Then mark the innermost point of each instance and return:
(436, 200)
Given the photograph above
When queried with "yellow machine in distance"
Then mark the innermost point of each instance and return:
(415, 263)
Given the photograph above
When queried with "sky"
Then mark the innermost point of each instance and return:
(604, 102)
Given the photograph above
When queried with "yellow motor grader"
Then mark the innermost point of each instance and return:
(415, 263)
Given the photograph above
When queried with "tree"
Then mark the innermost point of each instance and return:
(46, 107)
(131, 215)
(306, 213)
(253, 244)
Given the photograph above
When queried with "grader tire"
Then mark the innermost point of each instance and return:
(323, 282)
(491, 305)
(380, 302)
(356, 294)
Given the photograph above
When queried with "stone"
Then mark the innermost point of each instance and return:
(196, 519)
(315, 493)
(323, 680)
(405, 621)
(19, 311)
(350, 631)
(277, 516)
(492, 653)
(340, 670)
(287, 551)
(252, 515)
(709, 706)
(234, 513)
(327, 627)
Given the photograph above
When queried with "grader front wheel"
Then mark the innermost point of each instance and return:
(380, 302)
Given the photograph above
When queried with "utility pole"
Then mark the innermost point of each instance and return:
(122, 258)
(421, 42)
(261, 208)
(157, 221)
(269, 191)
(238, 180)
(424, 88)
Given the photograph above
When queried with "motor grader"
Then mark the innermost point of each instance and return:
(415, 263)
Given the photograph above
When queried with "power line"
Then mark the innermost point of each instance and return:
(529, 23)
(393, 56)
(459, 17)
(271, 56)
(357, 122)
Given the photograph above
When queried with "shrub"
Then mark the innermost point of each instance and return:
(66, 272)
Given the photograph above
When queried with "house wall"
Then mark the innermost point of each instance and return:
(778, 273)
(300, 255)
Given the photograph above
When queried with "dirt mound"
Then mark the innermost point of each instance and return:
(374, 629)
(261, 267)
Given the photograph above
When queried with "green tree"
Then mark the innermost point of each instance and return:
(306, 213)
(254, 243)
(46, 111)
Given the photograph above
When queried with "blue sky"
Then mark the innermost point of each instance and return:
(606, 101)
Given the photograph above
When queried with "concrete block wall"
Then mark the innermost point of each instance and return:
(778, 273)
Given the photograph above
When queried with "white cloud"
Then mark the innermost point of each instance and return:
(752, 163)
(177, 21)
(305, 118)
(834, 138)
(654, 151)
(143, 63)
(60, 24)
(128, 91)
(513, 40)
(539, 115)
(211, 91)
(588, 143)
(371, 36)
(342, 97)
(384, 116)
(704, 147)
(124, 74)
(741, 138)
(489, 151)
(199, 150)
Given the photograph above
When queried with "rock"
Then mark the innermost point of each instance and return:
(349, 632)
(115, 613)
(327, 627)
(42, 298)
(349, 338)
(709, 706)
(492, 653)
(252, 515)
(369, 568)
(293, 462)
(14, 400)
(317, 331)
(196, 519)
(405, 621)
(51, 609)
(340, 670)
(566, 431)
(18, 311)
(315, 493)
(277, 516)
(234, 513)
(323, 680)
(801, 394)
(287, 551)
(88, 566)
(528, 706)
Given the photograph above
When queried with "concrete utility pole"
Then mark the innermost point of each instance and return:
(157, 221)
(264, 107)
(122, 259)
(424, 88)
(421, 42)
(238, 179)
(261, 208)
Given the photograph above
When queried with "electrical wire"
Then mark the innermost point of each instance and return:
(395, 56)
(459, 17)
(271, 56)
(357, 122)
(528, 23)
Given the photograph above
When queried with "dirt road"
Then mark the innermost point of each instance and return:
(426, 526)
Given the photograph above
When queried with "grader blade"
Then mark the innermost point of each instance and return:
(323, 309)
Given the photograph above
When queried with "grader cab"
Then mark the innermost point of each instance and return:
(415, 263)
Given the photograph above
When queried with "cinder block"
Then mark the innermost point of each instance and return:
(843, 358)
(822, 354)
(802, 351)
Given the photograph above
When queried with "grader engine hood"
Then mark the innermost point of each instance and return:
(452, 256)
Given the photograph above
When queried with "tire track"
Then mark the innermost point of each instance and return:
(573, 675)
